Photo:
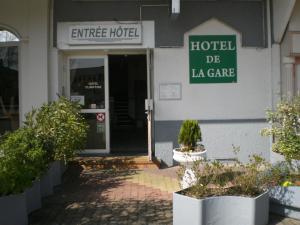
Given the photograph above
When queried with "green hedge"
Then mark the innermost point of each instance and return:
(60, 127)
(22, 161)
(285, 128)
(56, 131)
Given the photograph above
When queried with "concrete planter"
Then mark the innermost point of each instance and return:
(188, 159)
(55, 170)
(63, 167)
(46, 183)
(13, 210)
(285, 201)
(33, 197)
(222, 210)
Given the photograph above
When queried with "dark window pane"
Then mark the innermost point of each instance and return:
(9, 89)
(97, 133)
(87, 82)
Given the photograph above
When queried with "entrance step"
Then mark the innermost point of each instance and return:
(116, 162)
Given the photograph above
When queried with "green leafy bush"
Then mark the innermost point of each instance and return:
(285, 128)
(60, 127)
(54, 132)
(22, 160)
(189, 134)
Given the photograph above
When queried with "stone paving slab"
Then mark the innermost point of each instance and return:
(93, 196)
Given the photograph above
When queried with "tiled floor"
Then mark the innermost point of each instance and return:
(97, 196)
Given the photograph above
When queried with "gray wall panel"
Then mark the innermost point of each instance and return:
(219, 137)
(245, 16)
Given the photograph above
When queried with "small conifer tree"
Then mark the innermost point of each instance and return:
(189, 134)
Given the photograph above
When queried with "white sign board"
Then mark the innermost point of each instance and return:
(78, 98)
(175, 6)
(105, 33)
(170, 91)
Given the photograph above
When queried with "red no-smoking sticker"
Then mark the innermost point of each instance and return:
(100, 117)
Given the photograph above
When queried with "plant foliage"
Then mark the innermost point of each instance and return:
(22, 160)
(56, 131)
(285, 128)
(216, 179)
(60, 127)
(189, 134)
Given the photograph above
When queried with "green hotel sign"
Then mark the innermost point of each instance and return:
(212, 59)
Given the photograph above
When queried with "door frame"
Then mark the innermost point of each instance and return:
(67, 55)
(148, 53)
(106, 93)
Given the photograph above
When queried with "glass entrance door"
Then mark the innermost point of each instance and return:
(89, 85)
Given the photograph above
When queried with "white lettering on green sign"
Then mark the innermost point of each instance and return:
(212, 59)
(212, 45)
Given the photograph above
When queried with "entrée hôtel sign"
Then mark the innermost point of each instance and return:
(213, 59)
(106, 33)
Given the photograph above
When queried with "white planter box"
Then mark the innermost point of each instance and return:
(13, 210)
(63, 167)
(285, 201)
(33, 197)
(188, 158)
(55, 170)
(222, 210)
(46, 184)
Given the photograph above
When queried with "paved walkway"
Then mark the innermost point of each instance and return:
(94, 196)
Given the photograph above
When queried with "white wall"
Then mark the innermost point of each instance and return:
(289, 47)
(246, 99)
(232, 113)
(294, 23)
(285, 51)
(282, 11)
(29, 18)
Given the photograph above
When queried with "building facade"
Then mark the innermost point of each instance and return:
(139, 68)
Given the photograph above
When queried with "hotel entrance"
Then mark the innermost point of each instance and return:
(127, 94)
(88, 84)
(112, 90)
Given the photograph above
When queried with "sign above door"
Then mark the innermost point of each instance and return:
(105, 33)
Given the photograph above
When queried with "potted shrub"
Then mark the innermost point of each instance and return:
(190, 149)
(285, 198)
(21, 164)
(223, 195)
(285, 130)
(62, 130)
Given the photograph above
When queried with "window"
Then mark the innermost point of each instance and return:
(9, 82)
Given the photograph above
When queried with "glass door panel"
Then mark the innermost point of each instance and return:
(88, 85)
(87, 82)
(97, 133)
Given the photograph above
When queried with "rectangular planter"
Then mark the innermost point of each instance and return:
(222, 210)
(63, 167)
(285, 201)
(55, 170)
(33, 197)
(46, 184)
(13, 210)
